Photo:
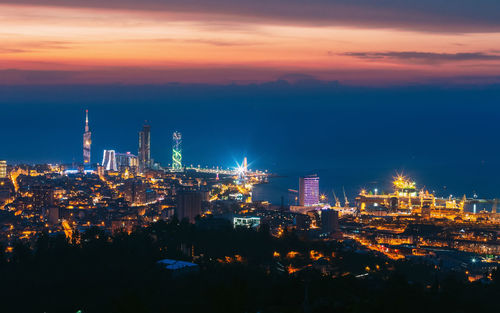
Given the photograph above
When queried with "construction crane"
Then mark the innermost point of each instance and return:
(346, 202)
(337, 201)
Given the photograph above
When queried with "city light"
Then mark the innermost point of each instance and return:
(249, 156)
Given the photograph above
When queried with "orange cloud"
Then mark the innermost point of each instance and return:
(105, 45)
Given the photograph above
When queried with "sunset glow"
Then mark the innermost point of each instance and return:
(56, 44)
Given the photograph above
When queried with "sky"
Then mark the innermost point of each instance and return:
(355, 42)
(353, 90)
(445, 137)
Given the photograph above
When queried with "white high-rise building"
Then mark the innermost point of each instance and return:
(109, 160)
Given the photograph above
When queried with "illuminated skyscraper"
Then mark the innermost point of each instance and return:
(309, 190)
(245, 165)
(126, 160)
(177, 151)
(109, 160)
(145, 147)
(87, 141)
(3, 169)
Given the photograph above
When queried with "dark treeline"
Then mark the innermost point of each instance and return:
(96, 272)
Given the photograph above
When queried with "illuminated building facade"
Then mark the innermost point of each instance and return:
(246, 221)
(109, 160)
(126, 160)
(406, 199)
(3, 169)
(145, 147)
(177, 151)
(87, 141)
(309, 190)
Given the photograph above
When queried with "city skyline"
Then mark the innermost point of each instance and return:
(116, 119)
(144, 158)
(249, 156)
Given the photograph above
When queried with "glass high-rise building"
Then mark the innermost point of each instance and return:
(309, 190)
(126, 160)
(145, 147)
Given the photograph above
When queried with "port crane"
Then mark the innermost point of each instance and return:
(346, 202)
(337, 201)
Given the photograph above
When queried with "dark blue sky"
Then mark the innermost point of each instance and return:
(352, 136)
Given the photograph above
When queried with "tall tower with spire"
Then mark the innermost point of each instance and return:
(87, 141)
